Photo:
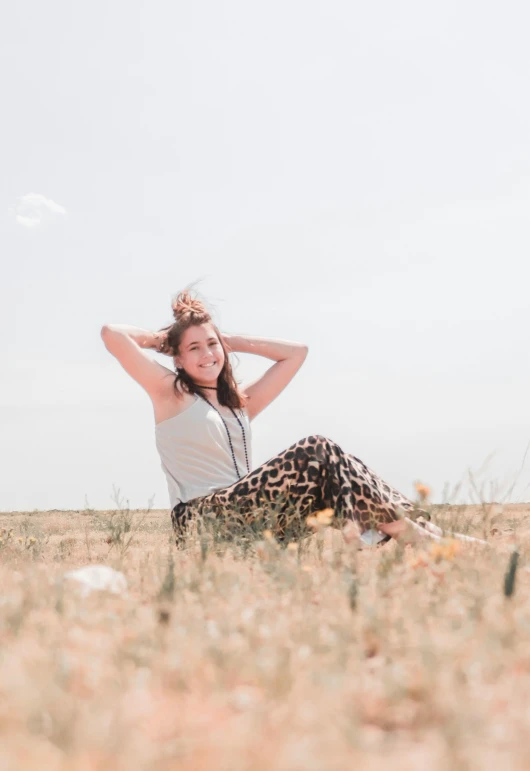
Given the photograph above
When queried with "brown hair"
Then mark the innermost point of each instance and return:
(191, 312)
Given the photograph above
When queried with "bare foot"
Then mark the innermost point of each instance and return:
(406, 531)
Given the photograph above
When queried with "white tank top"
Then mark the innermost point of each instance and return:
(195, 452)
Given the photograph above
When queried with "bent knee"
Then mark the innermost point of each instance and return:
(318, 439)
(315, 443)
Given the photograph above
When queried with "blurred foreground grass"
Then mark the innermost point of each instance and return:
(223, 657)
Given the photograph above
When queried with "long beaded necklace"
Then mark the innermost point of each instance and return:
(211, 388)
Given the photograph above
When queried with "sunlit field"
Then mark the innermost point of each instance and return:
(246, 655)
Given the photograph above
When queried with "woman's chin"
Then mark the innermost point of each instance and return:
(206, 380)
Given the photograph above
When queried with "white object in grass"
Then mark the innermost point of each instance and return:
(100, 578)
(372, 537)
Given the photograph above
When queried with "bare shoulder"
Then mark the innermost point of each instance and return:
(169, 403)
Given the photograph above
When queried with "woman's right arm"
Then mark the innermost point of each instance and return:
(128, 345)
(143, 337)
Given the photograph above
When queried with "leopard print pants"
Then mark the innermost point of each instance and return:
(313, 474)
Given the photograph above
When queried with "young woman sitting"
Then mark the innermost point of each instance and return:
(203, 436)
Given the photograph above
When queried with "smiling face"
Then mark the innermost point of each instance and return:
(201, 354)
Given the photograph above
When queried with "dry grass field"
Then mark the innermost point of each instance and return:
(252, 657)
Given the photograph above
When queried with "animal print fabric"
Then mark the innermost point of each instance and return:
(311, 475)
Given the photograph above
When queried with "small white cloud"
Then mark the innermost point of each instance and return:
(38, 201)
(28, 222)
(33, 209)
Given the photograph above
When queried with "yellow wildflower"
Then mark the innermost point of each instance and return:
(325, 516)
(445, 550)
(423, 491)
(320, 519)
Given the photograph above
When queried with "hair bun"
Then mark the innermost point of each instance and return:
(188, 308)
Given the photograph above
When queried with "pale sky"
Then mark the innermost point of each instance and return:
(355, 176)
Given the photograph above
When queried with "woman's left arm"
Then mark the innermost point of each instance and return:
(288, 356)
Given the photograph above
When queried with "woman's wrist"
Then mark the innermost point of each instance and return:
(160, 343)
(227, 340)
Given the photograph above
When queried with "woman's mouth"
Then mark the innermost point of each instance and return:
(206, 366)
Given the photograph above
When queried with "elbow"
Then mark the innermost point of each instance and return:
(300, 354)
(107, 332)
(105, 336)
(109, 329)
